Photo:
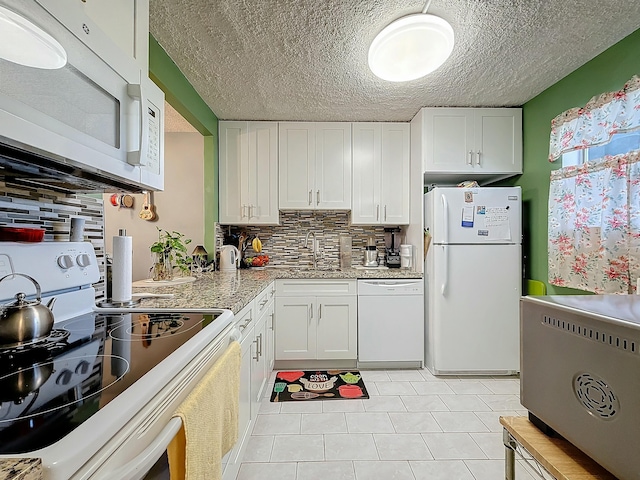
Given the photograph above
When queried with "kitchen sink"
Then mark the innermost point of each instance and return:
(319, 269)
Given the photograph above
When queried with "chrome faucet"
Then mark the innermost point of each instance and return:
(313, 246)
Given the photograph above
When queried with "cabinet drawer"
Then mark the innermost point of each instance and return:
(316, 287)
(263, 299)
(245, 320)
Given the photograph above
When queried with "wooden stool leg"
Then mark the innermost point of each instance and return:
(509, 455)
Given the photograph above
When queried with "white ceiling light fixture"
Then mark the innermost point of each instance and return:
(23, 42)
(411, 47)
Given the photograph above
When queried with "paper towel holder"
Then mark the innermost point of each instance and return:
(109, 302)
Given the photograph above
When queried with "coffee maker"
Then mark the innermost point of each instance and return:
(392, 257)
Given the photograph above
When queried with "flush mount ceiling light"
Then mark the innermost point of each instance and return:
(27, 44)
(411, 47)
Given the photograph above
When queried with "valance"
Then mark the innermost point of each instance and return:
(597, 121)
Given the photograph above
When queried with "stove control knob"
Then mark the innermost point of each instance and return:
(65, 261)
(83, 260)
(65, 377)
(83, 367)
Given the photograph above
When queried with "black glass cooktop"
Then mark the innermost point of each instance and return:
(50, 388)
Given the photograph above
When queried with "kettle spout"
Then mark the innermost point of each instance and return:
(51, 302)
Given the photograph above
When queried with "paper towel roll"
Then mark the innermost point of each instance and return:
(121, 270)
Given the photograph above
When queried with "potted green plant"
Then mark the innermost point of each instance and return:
(170, 252)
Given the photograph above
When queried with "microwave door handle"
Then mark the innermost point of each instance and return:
(136, 157)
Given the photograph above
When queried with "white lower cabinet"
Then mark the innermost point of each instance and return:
(258, 364)
(316, 320)
(253, 321)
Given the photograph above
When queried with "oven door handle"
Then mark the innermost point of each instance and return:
(138, 467)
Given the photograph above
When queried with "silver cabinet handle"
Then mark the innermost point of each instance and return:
(312, 310)
(257, 357)
(385, 213)
(271, 315)
(319, 312)
(242, 210)
(478, 157)
(470, 161)
(309, 197)
(250, 211)
(260, 345)
(263, 302)
(377, 212)
(318, 197)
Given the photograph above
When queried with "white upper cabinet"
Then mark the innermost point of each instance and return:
(124, 22)
(248, 173)
(314, 166)
(381, 161)
(478, 142)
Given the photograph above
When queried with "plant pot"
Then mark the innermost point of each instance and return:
(162, 267)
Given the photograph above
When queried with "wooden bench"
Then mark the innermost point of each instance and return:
(557, 456)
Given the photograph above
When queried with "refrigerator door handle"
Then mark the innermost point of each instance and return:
(445, 214)
(445, 280)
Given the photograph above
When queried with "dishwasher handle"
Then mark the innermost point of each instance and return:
(386, 283)
(138, 467)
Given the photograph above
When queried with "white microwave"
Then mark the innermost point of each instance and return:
(95, 124)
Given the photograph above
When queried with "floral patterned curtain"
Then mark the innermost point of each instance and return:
(594, 225)
(596, 122)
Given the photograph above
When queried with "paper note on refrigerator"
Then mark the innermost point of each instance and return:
(467, 217)
(496, 222)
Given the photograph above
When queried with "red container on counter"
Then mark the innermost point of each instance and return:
(16, 234)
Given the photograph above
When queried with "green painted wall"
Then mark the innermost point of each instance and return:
(183, 97)
(606, 72)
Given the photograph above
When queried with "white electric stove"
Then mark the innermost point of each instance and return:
(95, 399)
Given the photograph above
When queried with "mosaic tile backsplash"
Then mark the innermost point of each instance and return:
(24, 207)
(284, 243)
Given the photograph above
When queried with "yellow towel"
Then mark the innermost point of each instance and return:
(209, 421)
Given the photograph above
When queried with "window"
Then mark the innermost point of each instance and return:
(594, 198)
(620, 143)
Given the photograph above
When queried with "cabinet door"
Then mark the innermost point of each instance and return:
(296, 164)
(244, 410)
(367, 156)
(498, 140)
(258, 365)
(126, 22)
(395, 174)
(333, 166)
(262, 200)
(269, 344)
(295, 328)
(234, 164)
(448, 139)
(337, 330)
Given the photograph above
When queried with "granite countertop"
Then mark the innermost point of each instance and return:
(20, 469)
(234, 290)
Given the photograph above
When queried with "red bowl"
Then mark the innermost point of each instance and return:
(14, 234)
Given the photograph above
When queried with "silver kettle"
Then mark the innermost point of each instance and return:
(22, 321)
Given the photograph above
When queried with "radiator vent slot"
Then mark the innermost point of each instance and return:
(596, 396)
(593, 334)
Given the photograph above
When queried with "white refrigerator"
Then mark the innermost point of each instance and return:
(473, 280)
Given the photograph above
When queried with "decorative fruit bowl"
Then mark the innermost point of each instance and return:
(257, 261)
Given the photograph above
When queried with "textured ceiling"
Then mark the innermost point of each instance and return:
(176, 123)
(307, 59)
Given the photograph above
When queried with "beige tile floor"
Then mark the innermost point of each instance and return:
(415, 426)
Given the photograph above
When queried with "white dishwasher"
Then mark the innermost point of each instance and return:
(391, 323)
